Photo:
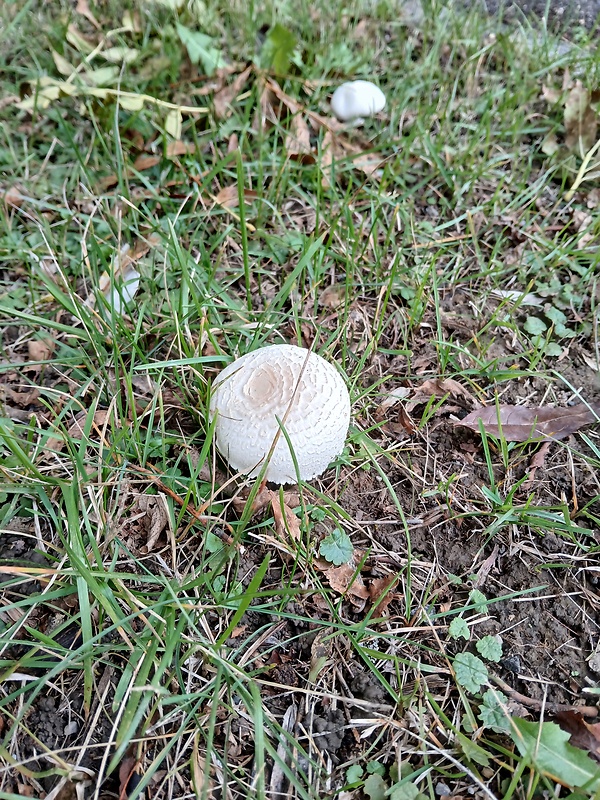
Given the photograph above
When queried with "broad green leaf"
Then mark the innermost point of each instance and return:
(405, 791)
(535, 326)
(337, 547)
(201, 49)
(376, 768)
(490, 647)
(375, 787)
(547, 747)
(472, 751)
(278, 49)
(470, 671)
(354, 773)
(457, 628)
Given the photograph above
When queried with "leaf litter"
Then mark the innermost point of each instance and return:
(522, 424)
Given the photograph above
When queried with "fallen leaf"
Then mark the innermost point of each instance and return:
(521, 424)
(584, 735)
(229, 196)
(436, 387)
(287, 523)
(320, 652)
(297, 141)
(83, 8)
(580, 119)
(12, 197)
(380, 592)
(120, 286)
(223, 99)
(346, 580)
(156, 519)
(179, 148)
(40, 349)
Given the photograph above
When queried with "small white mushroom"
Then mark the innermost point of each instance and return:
(290, 384)
(357, 99)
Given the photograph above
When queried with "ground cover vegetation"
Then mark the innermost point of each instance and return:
(422, 620)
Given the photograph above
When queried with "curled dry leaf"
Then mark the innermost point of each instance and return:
(581, 121)
(380, 592)
(223, 99)
(297, 142)
(229, 196)
(120, 287)
(521, 424)
(346, 580)
(287, 523)
(12, 197)
(41, 349)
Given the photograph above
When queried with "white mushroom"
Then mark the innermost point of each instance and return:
(357, 99)
(290, 384)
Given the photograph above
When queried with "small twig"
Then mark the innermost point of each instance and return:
(553, 708)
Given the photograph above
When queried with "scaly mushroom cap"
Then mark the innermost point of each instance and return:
(357, 99)
(254, 391)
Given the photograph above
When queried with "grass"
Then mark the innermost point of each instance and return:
(161, 633)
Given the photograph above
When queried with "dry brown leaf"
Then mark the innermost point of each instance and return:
(581, 121)
(179, 148)
(328, 156)
(436, 387)
(229, 196)
(521, 424)
(346, 580)
(233, 144)
(380, 592)
(369, 163)
(223, 99)
(287, 523)
(40, 349)
(83, 8)
(157, 518)
(297, 141)
(57, 441)
(584, 735)
(20, 398)
(12, 197)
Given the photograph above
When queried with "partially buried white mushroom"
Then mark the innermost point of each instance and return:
(355, 100)
(290, 384)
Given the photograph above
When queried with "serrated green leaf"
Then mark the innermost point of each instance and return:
(376, 768)
(470, 672)
(337, 547)
(493, 713)
(201, 49)
(490, 647)
(375, 787)
(457, 628)
(278, 49)
(547, 747)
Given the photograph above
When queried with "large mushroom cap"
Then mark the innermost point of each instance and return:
(357, 99)
(256, 390)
